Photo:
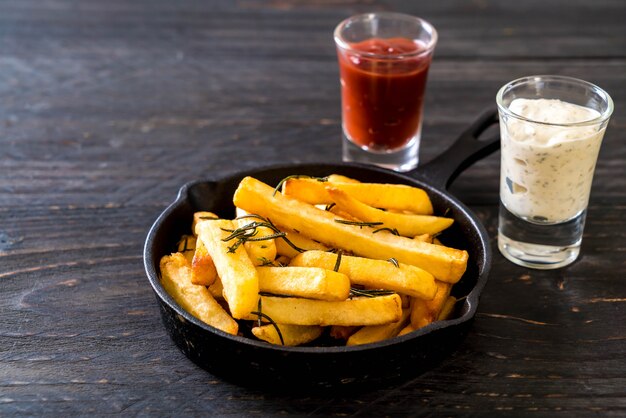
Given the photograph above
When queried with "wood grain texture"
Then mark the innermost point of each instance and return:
(107, 108)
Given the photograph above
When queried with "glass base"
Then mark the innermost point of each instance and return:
(539, 246)
(402, 159)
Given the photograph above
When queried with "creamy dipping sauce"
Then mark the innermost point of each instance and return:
(547, 170)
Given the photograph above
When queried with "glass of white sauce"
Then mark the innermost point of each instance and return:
(551, 129)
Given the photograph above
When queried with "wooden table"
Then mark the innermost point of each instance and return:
(108, 107)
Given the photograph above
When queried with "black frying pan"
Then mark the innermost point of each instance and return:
(251, 362)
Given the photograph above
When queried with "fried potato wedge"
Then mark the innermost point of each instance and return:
(299, 240)
(374, 333)
(374, 274)
(197, 300)
(406, 225)
(292, 334)
(237, 273)
(423, 312)
(358, 311)
(446, 264)
(305, 282)
(378, 195)
(203, 270)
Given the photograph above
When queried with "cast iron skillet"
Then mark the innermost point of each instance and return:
(248, 361)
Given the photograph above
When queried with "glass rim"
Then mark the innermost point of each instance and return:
(604, 116)
(345, 45)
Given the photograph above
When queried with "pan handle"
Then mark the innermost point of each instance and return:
(465, 151)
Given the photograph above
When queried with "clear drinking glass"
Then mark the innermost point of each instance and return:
(551, 130)
(383, 64)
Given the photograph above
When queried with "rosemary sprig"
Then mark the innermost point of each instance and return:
(297, 176)
(266, 262)
(265, 222)
(394, 262)
(370, 293)
(392, 230)
(260, 314)
(356, 223)
(338, 262)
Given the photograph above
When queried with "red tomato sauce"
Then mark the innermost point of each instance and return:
(382, 96)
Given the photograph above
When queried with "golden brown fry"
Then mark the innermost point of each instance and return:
(338, 178)
(203, 270)
(374, 274)
(236, 271)
(202, 216)
(424, 238)
(299, 240)
(371, 334)
(187, 246)
(423, 312)
(358, 311)
(197, 300)
(292, 334)
(444, 263)
(378, 195)
(305, 282)
(407, 329)
(406, 225)
(448, 308)
(216, 289)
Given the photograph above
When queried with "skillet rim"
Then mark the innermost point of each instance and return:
(471, 300)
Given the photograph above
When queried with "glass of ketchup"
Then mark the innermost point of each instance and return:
(383, 65)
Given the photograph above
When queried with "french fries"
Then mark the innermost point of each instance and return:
(203, 270)
(374, 333)
(446, 264)
(385, 196)
(197, 300)
(423, 312)
(406, 225)
(237, 273)
(374, 274)
(361, 267)
(304, 282)
(291, 334)
(357, 311)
